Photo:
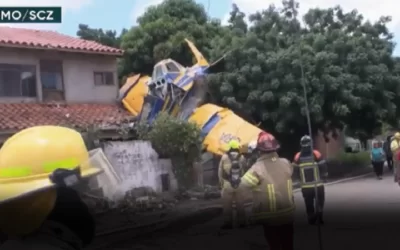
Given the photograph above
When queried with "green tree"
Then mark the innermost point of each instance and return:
(161, 33)
(347, 66)
(105, 37)
(177, 140)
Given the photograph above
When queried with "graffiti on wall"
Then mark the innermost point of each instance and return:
(136, 163)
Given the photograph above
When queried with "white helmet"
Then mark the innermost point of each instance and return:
(252, 146)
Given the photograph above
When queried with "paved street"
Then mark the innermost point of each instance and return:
(359, 214)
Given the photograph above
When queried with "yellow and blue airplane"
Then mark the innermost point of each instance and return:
(180, 91)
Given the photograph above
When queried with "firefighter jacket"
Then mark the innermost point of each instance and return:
(310, 169)
(271, 180)
(395, 148)
(51, 236)
(224, 168)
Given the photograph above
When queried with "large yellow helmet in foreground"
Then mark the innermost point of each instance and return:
(27, 160)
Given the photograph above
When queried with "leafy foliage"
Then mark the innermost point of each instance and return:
(105, 37)
(350, 76)
(161, 33)
(348, 163)
(352, 79)
(175, 139)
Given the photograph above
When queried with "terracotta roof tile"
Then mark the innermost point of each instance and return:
(16, 116)
(51, 40)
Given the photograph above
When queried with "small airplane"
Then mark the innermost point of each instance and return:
(171, 88)
(180, 91)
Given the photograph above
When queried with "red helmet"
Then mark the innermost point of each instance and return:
(267, 143)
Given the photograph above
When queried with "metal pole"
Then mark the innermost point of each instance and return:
(317, 208)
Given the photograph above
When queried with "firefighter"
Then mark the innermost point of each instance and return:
(395, 148)
(230, 171)
(39, 208)
(270, 178)
(311, 167)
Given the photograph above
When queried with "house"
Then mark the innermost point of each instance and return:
(47, 78)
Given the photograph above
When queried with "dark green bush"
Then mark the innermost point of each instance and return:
(345, 164)
(177, 140)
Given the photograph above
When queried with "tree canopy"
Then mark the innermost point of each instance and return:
(345, 62)
(105, 37)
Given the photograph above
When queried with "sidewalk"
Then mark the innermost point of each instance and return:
(119, 226)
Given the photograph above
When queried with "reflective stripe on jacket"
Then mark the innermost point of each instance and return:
(271, 180)
(224, 169)
(310, 166)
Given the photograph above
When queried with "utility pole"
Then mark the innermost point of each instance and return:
(307, 109)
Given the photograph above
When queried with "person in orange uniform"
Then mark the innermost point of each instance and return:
(311, 167)
(270, 179)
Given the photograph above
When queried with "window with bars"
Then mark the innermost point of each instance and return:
(51, 77)
(17, 80)
(104, 78)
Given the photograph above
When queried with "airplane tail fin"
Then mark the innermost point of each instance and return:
(133, 92)
(201, 61)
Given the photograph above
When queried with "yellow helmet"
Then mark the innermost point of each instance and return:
(27, 161)
(397, 135)
(234, 144)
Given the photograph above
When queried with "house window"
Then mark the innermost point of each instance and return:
(165, 182)
(17, 80)
(103, 78)
(51, 76)
(51, 80)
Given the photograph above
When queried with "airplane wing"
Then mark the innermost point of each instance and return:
(220, 125)
(201, 61)
(133, 93)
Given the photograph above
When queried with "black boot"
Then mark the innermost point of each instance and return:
(312, 219)
(321, 218)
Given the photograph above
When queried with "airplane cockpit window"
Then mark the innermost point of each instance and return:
(157, 72)
(172, 67)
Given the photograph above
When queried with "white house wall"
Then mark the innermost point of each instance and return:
(78, 75)
(138, 165)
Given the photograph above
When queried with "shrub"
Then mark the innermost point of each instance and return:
(346, 163)
(175, 139)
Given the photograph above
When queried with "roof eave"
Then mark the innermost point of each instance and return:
(93, 52)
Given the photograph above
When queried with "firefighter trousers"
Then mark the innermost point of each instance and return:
(309, 196)
(233, 197)
(389, 160)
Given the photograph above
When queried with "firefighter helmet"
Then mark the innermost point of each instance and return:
(397, 135)
(267, 143)
(305, 141)
(29, 161)
(234, 144)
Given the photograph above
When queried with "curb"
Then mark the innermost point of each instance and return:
(340, 181)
